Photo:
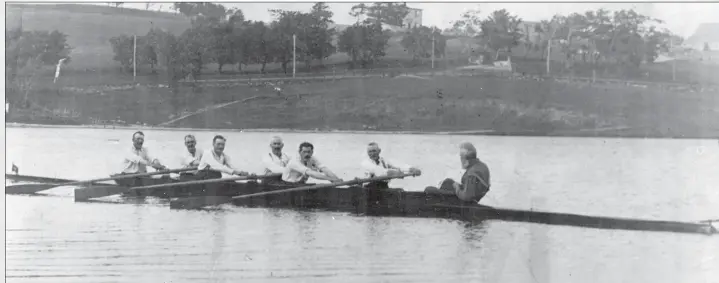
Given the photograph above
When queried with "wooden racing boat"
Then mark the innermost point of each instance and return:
(378, 202)
(400, 203)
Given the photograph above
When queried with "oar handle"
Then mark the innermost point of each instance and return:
(210, 181)
(322, 186)
(127, 176)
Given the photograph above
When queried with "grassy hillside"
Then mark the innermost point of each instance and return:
(413, 103)
(90, 27)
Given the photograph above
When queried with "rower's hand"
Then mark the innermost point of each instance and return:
(338, 180)
(240, 173)
(415, 171)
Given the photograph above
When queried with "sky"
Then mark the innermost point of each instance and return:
(681, 18)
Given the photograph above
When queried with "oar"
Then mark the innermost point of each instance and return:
(128, 176)
(34, 188)
(198, 202)
(209, 181)
(95, 192)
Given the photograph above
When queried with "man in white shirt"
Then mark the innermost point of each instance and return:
(191, 157)
(218, 161)
(275, 161)
(376, 166)
(138, 158)
(300, 168)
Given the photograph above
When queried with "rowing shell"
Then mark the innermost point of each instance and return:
(396, 202)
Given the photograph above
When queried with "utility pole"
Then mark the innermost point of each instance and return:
(674, 58)
(432, 51)
(134, 58)
(294, 54)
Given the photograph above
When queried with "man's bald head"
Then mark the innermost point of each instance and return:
(467, 150)
(373, 150)
(276, 143)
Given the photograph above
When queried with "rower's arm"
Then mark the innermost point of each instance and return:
(372, 170)
(327, 172)
(208, 161)
(271, 165)
(398, 166)
(152, 161)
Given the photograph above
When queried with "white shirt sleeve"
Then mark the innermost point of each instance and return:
(208, 160)
(394, 164)
(271, 165)
(372, 170)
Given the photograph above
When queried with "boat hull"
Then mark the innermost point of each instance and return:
(227, 188)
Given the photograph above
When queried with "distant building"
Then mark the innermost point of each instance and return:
(413, 18)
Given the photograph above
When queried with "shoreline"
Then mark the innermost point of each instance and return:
(614, 132)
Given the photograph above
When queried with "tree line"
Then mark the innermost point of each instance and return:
(223, 36)
(622, 37)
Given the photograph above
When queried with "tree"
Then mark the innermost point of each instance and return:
(261, 42)
(201, 10)
(122, 47)
(469, 24)
(27, 52)
(364, 42)
(501, 31)
(384, 12)
(319, 35)
(418, 42)
(286, 25)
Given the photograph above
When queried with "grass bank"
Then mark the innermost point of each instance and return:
(410, 103)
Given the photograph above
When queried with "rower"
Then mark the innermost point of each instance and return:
(376, 166)
(191, 157)
(138, 158)
(218, 161)
(475, 181)
(275, 161)
(300, 168)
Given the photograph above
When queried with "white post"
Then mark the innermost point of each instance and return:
(433, 51)
(134, 58)
(294, 54)
(674, 58)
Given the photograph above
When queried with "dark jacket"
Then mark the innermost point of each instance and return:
(475, 182)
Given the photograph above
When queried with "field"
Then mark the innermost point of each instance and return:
(412, 103)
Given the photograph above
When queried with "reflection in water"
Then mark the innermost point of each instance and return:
(218, 240)
(307, 225)
(471, 241)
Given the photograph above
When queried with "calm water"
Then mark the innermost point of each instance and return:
(52, 239)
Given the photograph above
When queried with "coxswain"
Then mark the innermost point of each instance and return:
(138, 158)
(275, 161)
(376, 166)
(191, 157)
(475, 181)
(300, 168)
(218, 161)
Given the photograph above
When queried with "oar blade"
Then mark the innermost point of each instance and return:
(198, 202)
(83, 194)
(27, 189)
